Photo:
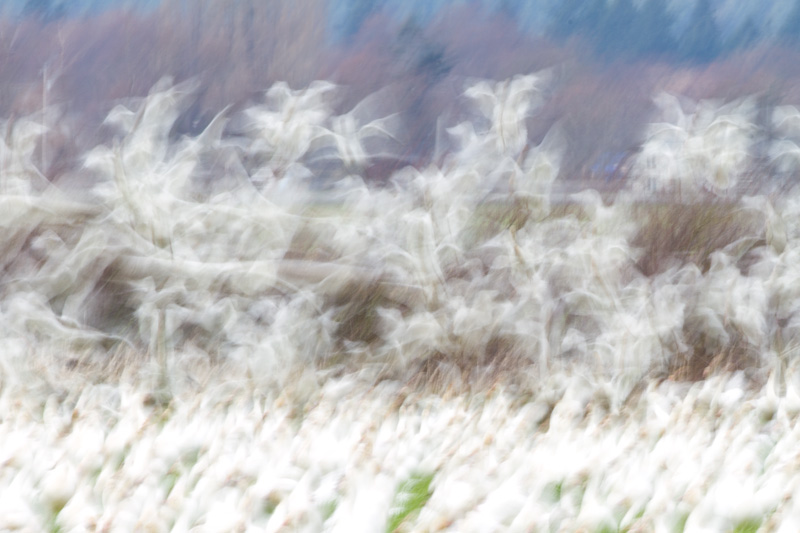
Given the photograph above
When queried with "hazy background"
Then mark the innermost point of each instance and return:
(607, 60)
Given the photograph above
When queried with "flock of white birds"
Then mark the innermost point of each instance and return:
(234, 332)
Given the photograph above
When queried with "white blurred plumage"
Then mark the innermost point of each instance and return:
(258, 412)
(507, 104)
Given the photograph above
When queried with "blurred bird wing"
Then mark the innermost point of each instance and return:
(672, 109)
(484, 96)
(121, 117)
(786, 119)
(212, 134)
(383, 127)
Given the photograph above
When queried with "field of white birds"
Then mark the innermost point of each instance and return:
(236, 331)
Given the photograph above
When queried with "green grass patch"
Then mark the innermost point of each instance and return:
(271, 503)
(410, 497)
(552, 492)
(748, 525)
(169, 480)
(189, 458)
(328, 508)
(51, 526)
(680, 523)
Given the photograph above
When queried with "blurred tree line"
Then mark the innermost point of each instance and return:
(236, 49)
(45, 10)
(697, 31)
(621, 30)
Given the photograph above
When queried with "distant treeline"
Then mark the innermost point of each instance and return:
(675, 30)
(600, 91)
